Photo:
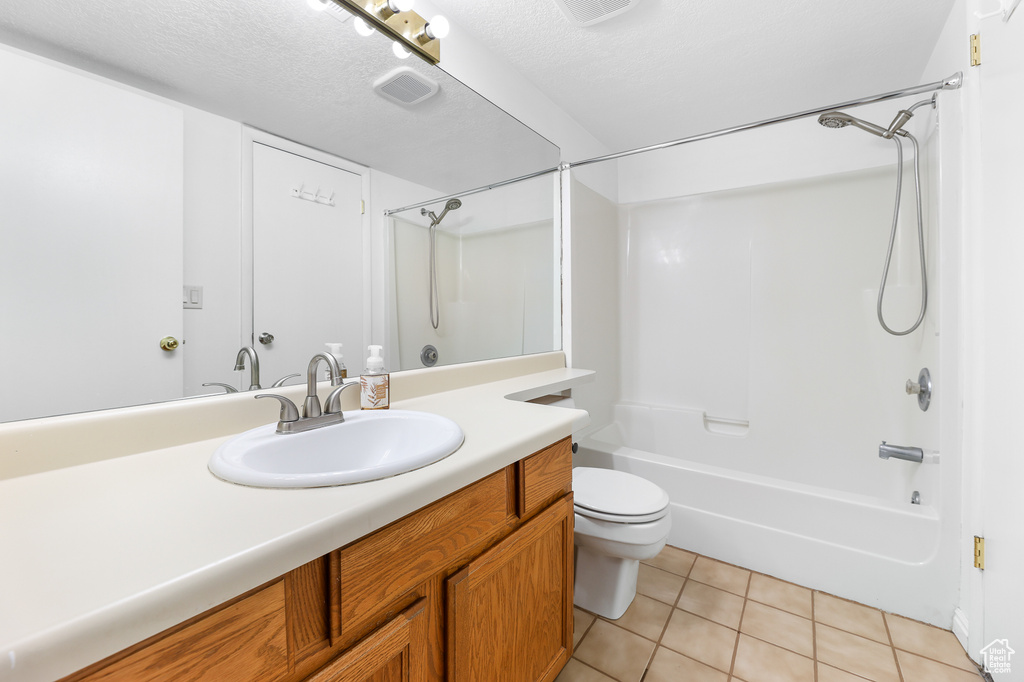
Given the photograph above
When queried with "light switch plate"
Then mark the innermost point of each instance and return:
(192, 296)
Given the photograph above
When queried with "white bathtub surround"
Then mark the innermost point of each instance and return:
(112, 547)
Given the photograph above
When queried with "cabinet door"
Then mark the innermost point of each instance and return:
(390, 654)
(510, 611)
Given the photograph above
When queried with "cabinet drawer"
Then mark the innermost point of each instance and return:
(544, 477)
(376, 570)
(244, 641)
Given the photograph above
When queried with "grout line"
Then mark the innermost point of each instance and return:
(743, 612)
(814, 638)
(892, 647)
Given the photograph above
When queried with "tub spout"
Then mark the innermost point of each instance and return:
(885, 451)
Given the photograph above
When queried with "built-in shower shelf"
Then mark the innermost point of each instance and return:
(721, 426)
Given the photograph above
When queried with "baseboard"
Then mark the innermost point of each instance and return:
(960, 629)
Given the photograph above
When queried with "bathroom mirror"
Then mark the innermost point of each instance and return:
(194, 83)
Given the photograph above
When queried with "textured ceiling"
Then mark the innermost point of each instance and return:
(668, 69)
(281, 67)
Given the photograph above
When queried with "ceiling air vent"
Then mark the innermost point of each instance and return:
(405, 86)
(590, 12)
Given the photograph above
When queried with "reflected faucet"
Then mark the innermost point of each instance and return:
(254, 366)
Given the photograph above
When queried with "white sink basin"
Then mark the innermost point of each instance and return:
(369, 445)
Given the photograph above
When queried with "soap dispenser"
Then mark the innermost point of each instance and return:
(335, 350)
(374, 390)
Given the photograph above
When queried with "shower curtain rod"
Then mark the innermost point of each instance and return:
(952, 83)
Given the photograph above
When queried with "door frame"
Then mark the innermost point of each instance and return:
(251, 136)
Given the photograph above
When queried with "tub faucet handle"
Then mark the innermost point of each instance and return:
(922, 388)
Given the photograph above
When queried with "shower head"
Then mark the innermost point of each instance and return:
(435, 220)
(839, 119)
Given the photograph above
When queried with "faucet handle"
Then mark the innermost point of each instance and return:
(289, 413)
(334, 399)
(280, 382)
(228, 388)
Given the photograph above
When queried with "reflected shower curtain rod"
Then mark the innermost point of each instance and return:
(952, 83)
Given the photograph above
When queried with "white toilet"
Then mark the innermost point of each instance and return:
(620, 519)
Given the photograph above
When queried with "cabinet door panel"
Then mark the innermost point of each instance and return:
(510, 611)
(390, 654)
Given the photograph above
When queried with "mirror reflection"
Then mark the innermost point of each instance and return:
(180, 183)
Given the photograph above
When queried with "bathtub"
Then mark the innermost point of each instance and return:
(887, 553)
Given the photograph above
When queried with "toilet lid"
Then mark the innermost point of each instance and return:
(615, 492)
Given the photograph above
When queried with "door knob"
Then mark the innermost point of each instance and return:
(266, 338)
(168, 343)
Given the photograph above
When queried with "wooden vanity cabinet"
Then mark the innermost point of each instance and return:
(475, 586)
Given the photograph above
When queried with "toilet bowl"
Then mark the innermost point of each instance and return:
(621, 519)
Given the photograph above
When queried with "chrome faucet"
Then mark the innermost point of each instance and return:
(313, 417)
(254, 366)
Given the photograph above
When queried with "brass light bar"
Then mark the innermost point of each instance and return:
(406, 28)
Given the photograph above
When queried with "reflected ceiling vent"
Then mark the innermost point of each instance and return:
(405, 86)
(590, 12)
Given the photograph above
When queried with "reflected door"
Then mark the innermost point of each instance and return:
(91, 191)
(307, 262)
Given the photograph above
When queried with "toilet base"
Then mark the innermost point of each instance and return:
(604, 585)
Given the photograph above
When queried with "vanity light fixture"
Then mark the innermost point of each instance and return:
(362, 28)
(394, 18)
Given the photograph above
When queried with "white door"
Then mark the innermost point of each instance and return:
(1002, 110)
(307, 261)
(90, 243)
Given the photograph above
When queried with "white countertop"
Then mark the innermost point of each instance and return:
(99, 556)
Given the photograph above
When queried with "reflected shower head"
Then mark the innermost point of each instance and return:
(840, 119)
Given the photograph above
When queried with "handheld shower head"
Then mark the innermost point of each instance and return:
(840, 119)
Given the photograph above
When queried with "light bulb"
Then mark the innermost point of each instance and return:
(362, 28)
(437, 28)
(400, 51)
(318, 5)
(397, 6)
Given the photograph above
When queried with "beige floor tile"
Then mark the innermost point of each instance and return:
(616, 652)
(927, 641)
(714, 604)
(855, 654)
(659, 584)
(574, 671)
(917, 669)
(646, 617)
(781, 595)
(673, 560)
(827, 673)
(581, 620)
(758, 661)
(700, 639)
(668, 666)
(846, 615)
(779, 628)
(722, 576)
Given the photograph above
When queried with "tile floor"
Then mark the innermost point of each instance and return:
(699, 620)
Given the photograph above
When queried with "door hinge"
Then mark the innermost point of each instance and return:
(976, 49)
(979, 552)
(362, 207)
